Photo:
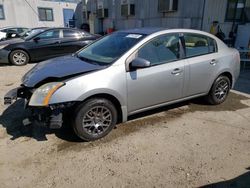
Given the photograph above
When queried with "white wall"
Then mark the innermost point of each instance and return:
(18, 13)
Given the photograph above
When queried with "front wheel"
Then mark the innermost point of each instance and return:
(94, 119)
(19, 57)
(219, 90)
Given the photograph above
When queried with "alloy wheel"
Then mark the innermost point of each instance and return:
(19, 58)
(221, 90)
(97, 120)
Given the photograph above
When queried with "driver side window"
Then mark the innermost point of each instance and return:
(52, 34)
(162, 49)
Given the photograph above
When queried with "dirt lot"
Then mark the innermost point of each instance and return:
(186, 145)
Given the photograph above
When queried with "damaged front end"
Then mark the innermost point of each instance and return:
(37, 101)
(51, 116)
(14, 94)
(42, 81)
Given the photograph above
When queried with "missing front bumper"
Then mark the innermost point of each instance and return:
(14, 94)
(10, 96)
(50, 116)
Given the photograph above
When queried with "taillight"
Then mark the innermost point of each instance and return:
(237, 56)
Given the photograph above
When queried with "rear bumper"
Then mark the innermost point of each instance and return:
(4, 56)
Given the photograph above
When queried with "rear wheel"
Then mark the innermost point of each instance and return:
(19, 57)
(219, 90)
(94, 119)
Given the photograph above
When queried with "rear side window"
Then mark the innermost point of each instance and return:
(197, 45)
(212, 45)
(71, 34)
(21, 30)
(162, 49)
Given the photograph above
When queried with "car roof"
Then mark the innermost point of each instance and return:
(144, 30)
(152, 30)
(39, 28)
(50, 28)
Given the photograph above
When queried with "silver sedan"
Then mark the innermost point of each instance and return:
(125, 73)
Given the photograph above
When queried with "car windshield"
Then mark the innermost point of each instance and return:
(31, 33)
(108, 49)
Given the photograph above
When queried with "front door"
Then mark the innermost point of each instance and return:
(48, 44)
(71, 41)
(163, 80)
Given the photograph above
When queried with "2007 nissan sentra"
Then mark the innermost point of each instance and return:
(125, 73)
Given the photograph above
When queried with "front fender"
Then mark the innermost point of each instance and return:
(60, 97)
(100, 91)
(106, 81)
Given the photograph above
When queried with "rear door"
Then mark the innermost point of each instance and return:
(163, 80)
(202, 57)
(73, 40)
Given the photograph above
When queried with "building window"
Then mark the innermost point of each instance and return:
(2, 16)
(45, 14)
(167, 5)
(235, 10)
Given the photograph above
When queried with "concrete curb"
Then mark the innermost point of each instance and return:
(240, 93)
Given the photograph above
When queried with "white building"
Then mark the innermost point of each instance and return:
(40, 13)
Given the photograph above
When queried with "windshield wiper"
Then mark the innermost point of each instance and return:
(87, 60)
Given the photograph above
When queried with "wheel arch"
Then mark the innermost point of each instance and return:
(229, 75)
(223, 73)
(25, 50)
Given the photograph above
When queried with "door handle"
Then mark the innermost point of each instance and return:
(176, 71)
(57, 42)
(213, 62)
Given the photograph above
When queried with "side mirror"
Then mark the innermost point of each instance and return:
(36, 39)
(139, 63)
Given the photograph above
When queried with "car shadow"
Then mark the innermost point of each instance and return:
(165, 108)
(242, 181)
(9, 64)
(5, 64)
(12, 120)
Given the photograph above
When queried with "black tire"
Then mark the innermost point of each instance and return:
(87, 124)
(19, 57)
(219, 91)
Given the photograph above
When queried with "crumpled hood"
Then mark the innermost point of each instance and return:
(57, 68)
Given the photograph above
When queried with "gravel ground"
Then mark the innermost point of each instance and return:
(185, 145)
